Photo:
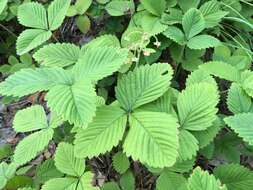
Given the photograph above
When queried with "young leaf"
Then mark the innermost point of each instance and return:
(175, 34)
(66, 162)
(39, 140)
(102, 134)
(33, 15)
(3, 4)
(98, 63)
(28, 81)
(120, 162)
(155, 7)
(30, 119)
(197, 106)
(202, 42)
(30, 39)
(193, 23)
(152, 139)
(75, 103)
(57, 11)
(238, 101)
(143, 85)
(7, 171)
(200, 180)
(127, 181)
(242, 124)
(235, 176)
(120, 7)
(82, 6)
(59, 55)
(61, 184)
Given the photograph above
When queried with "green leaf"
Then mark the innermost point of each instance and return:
(46, 171)
(183, 166)
(237, 100)
(199, 76)
(235, 176)
(30, 119)
(200, 180)
(120, 162)
(61, 184)
(120, 7)
(7, 171)
(57, 11)
(39, 140)
(152, 24)
(86, 182)
(185, 5)
(127, 181)
(175, 34)
(212, 13)
(98, 63)
(188, 145)
(30, 39)
(102, 134)
(193, 23)
(242, 124)
(82, 6)
(83, 23)
(197, 106)
(28, 81)
(225, 70)
(247, 81)
(59, 55)
(3, 4)
(155, 7)
(203, 42)
(152, 139)
(75, 103)
(143, 85)
(66, 162)
(171, 180)
(33, 15)
(110, 186)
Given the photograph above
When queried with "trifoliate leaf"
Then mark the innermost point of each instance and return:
(30, 39)
(143, 85)
(152, 24)
(235, 176)
(102, 134)
(152, 139)
(120, 162)
(59, 55)
(57, 11)
(175, 34)
(76, 103)
(197, 106)
(193, 23)
(242, 124)
(33, 15)
(39, 140)
(30, 119)
(66, 162)
(202, 42)
(155, 7)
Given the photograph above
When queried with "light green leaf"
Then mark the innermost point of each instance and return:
(30, 119)
(193, 23)
(143, 85)
(98, 63)
(152, 24)
(66, 162)
(202, 42)
(127, 181)
(171, 180)
(200, 180)
(120, 7)
(61, 184)
(33, 15)
(225, 71)
(75, 103)
(86, 182)
(57, 11)
(59, 55)
(102, 134)
(185, 5)
(39, 140)
(82, 6)
(197, 106)
(242, 124)
(175, 34)
(83, 23)
(236, 177)
(152, 139)
(247, 82)
(155, 7)
(28, 81)
(7, 171)
(120, 162)
(110, 186)
(3, 4)
(188, 145)
(199, 76)
(30, 39)
(237, 100)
